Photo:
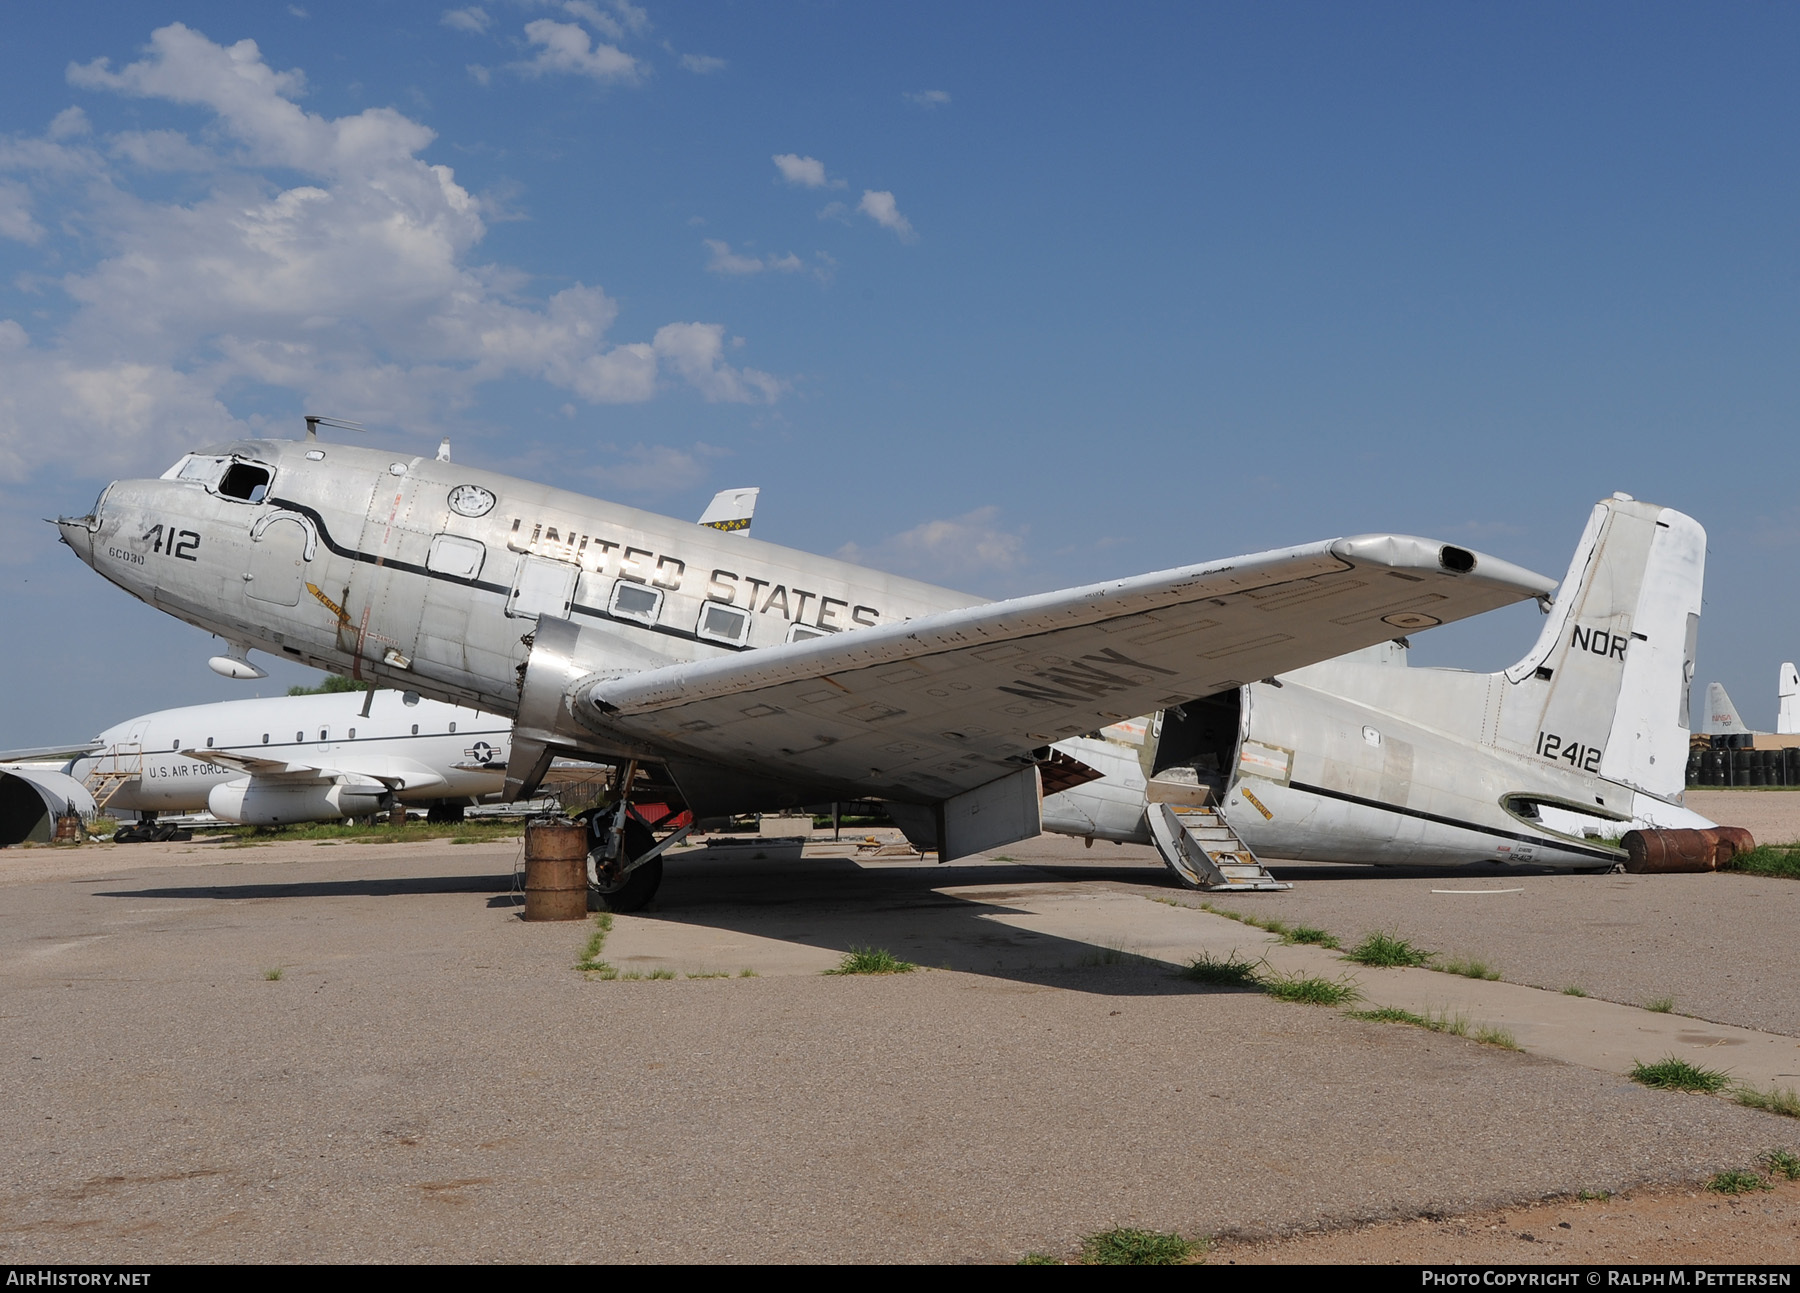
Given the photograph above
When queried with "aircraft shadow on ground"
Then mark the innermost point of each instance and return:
(372, 887)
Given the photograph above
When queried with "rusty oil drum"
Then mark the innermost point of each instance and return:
(1669, 852)
(556, 871)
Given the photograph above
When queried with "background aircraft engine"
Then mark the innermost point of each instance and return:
(257, 802)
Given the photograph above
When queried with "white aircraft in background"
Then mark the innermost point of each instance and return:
(1787, 691)
(759, 677)
(287, 759)
(1361, 759)
(1722, 717)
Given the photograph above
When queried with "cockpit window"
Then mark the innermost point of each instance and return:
(202, 469)
(245, 480)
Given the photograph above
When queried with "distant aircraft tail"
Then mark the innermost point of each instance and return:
(1605, 690)
(732, 510)
(1789, 692)
(1721, 715)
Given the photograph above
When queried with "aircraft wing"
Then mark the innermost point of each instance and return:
(928, 709)
(48, 753)
(395, 774)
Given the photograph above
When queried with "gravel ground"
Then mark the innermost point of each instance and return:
(429, 1079)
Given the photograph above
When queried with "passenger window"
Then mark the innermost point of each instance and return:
(415, 731)
(265, 738)
(299, 736)
(804, 632)
(353, 734)
(245, 480)
(719, 623)
(451, 554)
(636, 602)
(453, 729)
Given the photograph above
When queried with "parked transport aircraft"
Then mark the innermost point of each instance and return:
(614, 634)
(1362, 759)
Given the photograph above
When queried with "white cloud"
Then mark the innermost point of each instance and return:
(473, 19)
(805, 172)
(878, 205)
(927, 98)
(566, 47)
(355, 288)
(68, 124)
(653, 469)
(945, 550)
(480, 74)
(693, 351)
(702, 64)
(735, 264)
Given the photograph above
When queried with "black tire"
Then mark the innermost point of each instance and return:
(640, 885)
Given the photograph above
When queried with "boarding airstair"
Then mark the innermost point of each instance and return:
(1198, 844)
(114, 769)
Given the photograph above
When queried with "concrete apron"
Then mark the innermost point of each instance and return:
(1587, 1031)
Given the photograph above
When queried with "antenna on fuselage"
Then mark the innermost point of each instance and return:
(314, 422)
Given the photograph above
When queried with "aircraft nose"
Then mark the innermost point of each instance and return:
(79, 532)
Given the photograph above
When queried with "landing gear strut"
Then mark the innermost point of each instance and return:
(625, 864)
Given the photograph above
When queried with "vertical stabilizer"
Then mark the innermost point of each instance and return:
(1605, 690)
(1721, 715)
(731, 510)
(1789, 692)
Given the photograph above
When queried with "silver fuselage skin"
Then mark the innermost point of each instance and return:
(354, 561)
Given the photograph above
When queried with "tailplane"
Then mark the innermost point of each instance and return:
(1605, 690)
(1789, 692)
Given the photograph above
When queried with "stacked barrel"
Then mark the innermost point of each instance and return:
(1741, 767)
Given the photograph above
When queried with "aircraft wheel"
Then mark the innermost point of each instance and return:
(639, 886)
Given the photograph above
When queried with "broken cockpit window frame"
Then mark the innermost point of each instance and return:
(229, 477)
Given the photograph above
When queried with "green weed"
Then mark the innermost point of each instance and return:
(1781, 1162)
(1126, 1247)
(1312, 936)
(747, 973)
(1660, 1005)
(590, 956)
(1489, 1036)
(1469, 968)
(1039, 1259)
(1737, 1182)
(1573, 991)
(272, 975)
(660, 974)
(710, 974)
(1232, 972)
(1782, 1100)
(1593, 1196)
(1311, 991)
(1782, 860)
(1387, 951)
(872, 960)
(1452, 1025)
(1673, 1074)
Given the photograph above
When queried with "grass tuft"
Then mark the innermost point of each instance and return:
(1312, 936)
(872, 960)
(747, 973)
(1310, 991)
(1782, 1100)
(1737, 1182)
(1673, 1074)
(1573, 991)
(1660, 1005)
(1593, 1196)
(1126, 1247)
(1387, 951)
(1039, 1259)
(590, 956)
(1469, 968)
(1452, 1025)
(1781, 860)
(1781, 1162)
(1488, 1036)
(1232, 972)
(273, 975)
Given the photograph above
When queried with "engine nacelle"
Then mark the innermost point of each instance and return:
(259, 802)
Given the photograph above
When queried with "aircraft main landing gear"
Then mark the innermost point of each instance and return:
(625, 865)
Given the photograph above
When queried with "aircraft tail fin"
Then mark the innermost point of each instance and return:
(1721, 715)
(1605, 689)
(1789, 692)
(731, 509)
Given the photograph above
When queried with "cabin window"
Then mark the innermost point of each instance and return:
(175, 746)
(265, 738)
(636, 602)
(723, 624)
(409, 698)
(299, 736)
(353, 734)
(415, 731)
(451, 554)
(245, 480)
(806, 632)
(209, 742)
(453, 728)
(322, 732)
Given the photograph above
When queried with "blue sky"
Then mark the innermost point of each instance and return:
(1010, 297)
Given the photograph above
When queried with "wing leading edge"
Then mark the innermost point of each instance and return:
(930, 709)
